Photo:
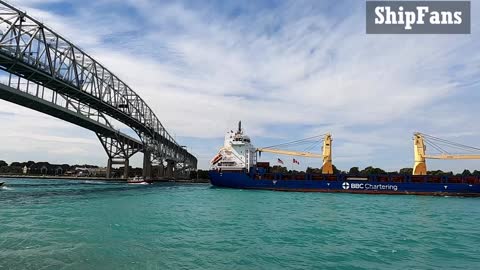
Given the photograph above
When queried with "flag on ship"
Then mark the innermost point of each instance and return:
(279, 161)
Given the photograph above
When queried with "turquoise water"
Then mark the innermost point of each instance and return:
(97, 225)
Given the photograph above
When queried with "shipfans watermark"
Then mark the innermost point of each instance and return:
(418, 17)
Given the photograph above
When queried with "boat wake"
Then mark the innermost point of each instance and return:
(139, 183)
(93, 182)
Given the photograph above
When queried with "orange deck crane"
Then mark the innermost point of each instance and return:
(419, 146)
(327, 167)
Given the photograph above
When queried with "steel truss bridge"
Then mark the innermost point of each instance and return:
(49, 74)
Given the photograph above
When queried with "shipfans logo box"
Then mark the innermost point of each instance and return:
(418, 17)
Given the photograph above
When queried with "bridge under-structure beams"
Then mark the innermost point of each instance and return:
(49, 74)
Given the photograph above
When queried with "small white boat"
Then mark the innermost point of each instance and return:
(139, 181)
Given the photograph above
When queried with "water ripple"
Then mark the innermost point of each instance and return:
(101, 225)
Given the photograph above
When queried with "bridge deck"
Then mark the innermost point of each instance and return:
(21, 98)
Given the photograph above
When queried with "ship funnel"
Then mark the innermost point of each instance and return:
(239, 126)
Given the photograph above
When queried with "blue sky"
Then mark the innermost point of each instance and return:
(287, 69)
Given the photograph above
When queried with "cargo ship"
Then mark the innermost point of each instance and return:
(236, 166)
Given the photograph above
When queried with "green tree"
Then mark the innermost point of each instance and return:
(314, 170)
(278, 169)
(371, 170)
(10, 170)
(466, 173)
(407, 171)
(16, 164)
(3, 163)
(202, 174)
(437, 172)
(354, 171)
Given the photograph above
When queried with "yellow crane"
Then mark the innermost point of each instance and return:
(419, 147)
(327, 167)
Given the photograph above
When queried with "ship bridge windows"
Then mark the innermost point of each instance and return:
(241, 139)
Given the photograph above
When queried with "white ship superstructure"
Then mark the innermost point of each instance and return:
(237, 152)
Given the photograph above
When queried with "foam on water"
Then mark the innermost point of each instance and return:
(70, 225)
(96, 182)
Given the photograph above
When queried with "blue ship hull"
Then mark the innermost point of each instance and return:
(414, 185)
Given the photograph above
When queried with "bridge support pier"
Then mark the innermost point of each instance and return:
(147, 164)
(126, 169)
(109, 168)
(170, 169)
(181, 171)
(119, 153)
(124, 162)
(161, 170)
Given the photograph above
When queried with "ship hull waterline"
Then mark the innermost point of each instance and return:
(241, 180)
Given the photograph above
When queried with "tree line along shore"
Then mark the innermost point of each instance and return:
(85, 170)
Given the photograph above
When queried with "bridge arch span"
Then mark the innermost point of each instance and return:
(35, 55)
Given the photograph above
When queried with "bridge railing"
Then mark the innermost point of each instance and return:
(48, 95)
